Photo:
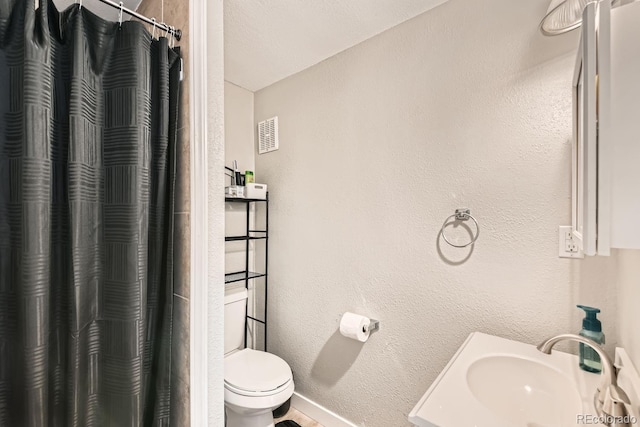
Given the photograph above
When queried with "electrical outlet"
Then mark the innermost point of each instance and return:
(567, 245)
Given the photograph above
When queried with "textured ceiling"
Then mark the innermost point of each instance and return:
(268, 40)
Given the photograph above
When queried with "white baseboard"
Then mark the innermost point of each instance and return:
(318, 412)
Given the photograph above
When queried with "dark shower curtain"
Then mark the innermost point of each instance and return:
(88, 113)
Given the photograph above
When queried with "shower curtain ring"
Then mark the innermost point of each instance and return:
(79, 4)
(153, 33)
(120, 14)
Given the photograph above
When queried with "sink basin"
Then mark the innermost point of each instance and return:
(524, 392)
(496, 382)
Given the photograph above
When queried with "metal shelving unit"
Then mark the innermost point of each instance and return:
(246, 275)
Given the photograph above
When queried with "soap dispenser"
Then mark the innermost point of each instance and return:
(592, 329)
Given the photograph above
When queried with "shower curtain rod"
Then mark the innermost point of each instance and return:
(176, 32)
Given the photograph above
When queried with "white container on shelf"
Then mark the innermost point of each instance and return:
(254, 190)
(234, 191)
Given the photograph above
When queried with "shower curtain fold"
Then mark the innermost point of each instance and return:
(88, 120)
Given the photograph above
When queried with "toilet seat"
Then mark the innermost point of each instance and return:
(256, 373)
(248, 393)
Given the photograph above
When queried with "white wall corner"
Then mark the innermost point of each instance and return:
(207, 212)
(211, 29)
(199, 332)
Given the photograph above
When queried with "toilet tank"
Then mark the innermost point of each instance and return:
(235, 310)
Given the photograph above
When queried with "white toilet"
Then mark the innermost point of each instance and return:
(255, 382)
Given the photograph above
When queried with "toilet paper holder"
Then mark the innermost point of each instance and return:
(357, 327)
(374, 325)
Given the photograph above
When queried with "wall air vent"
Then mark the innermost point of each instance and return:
(268, 135)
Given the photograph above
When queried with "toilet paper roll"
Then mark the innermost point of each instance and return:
(355, 326)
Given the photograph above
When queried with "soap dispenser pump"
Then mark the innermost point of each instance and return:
(592, 329)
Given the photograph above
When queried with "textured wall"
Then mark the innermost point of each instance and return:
(215, 224)
(238, 134)
(466, 105)
(238, 127)
(628, 297)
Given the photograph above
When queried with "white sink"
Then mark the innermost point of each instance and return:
(495, 382)
(523, 391)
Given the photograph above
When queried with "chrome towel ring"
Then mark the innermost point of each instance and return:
(462, 214)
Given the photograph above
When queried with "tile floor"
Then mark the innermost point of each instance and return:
(300, 418)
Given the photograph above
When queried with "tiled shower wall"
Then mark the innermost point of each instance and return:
(176, 13)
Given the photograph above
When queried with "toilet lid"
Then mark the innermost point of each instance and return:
(257, 371)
